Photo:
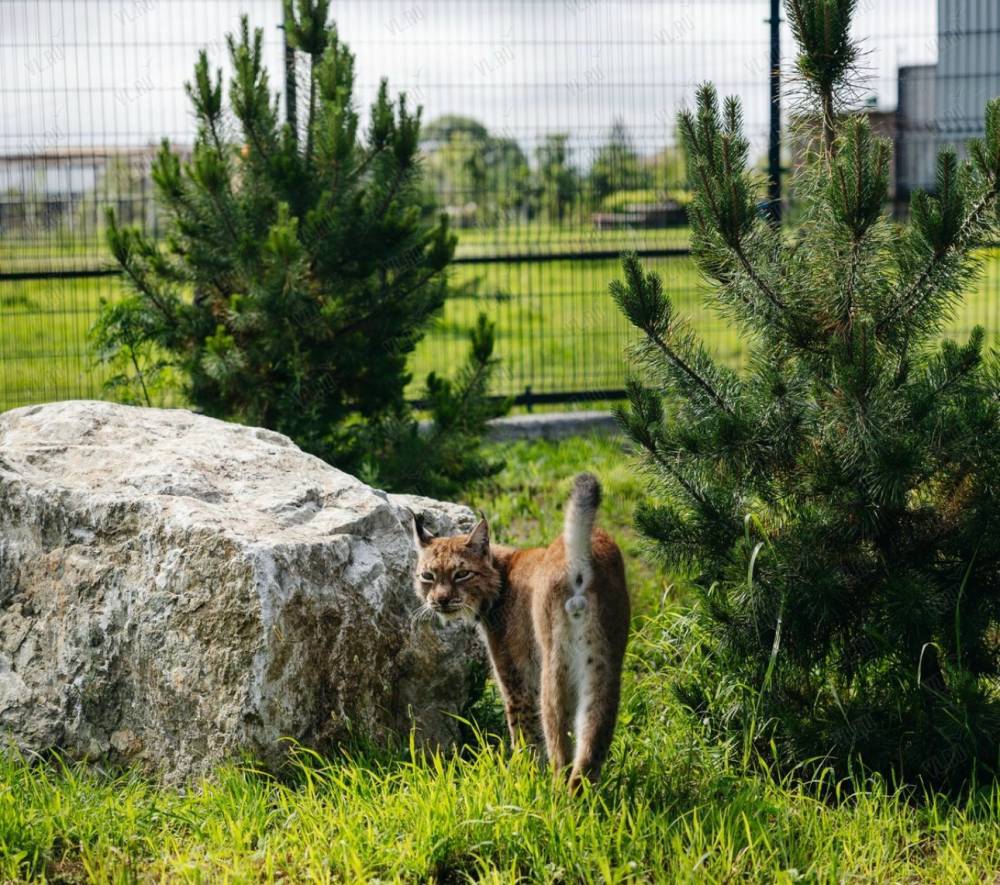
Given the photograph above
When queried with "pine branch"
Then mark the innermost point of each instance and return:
(362, 167)
(827, 55)
(376, 311)
(690, 372)
(755, 278)
(123, 243)
(139, 375)
(642, 300)
(697, 497)
(255, 139)
(224, 215)
(717, 153)
(852, 277)
(402, 173)
(908, 302)
(829, 126)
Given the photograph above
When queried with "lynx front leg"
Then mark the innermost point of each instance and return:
(523, 721)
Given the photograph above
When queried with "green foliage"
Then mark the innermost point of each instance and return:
(444, 456)
(558, 179)
(123, 337)
(675, 806)
(839, 498)
(301, 265)
(669, 167)
(619, 201)
(616, 165)
(465, 163)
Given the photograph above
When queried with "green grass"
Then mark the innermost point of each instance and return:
(557, 328)
(674, 805)
(545, 237)
(69, 251)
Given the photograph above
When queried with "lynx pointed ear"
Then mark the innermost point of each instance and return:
(479, 538)
(422, 536)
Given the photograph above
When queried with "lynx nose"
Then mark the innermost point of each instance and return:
(441, 599)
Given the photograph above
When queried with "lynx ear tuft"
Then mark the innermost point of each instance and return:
(479, 538)
(422, 536)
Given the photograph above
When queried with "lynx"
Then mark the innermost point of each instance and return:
(554, 620)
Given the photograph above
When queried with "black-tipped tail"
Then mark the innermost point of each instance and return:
(586, 492)
(578, 524)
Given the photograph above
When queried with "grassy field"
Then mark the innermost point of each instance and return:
(674, 806)
(546, 238)
(557, 327)
(536, 237)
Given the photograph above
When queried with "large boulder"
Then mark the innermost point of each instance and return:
(176, 590)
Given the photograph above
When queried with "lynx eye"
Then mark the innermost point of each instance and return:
(461, 575)
(427, 577)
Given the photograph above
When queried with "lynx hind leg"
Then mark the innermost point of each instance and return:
(597, 675)
(594, 737)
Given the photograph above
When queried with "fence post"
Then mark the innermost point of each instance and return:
(291, 111)
(774, 138)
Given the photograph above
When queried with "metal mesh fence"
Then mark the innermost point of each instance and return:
(548, 138)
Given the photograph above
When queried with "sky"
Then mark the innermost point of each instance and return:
(86, 73)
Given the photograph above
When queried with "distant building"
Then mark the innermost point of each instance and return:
(916, 130)
(968, 68)
(70, 187)
(939, 104)
(943, 104)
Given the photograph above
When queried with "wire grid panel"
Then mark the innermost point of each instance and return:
(548, 139)
(88, 89)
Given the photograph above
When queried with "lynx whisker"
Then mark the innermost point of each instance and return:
(423, 613)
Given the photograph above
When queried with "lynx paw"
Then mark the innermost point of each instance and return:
(575, 605)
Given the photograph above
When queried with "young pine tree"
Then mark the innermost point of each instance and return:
(301, 265)
(840, 499)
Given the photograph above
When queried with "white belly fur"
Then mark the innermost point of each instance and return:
(578, 649)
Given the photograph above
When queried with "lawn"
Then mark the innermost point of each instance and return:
(674, 805)
(557, 328)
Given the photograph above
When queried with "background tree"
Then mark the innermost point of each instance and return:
(465, 163)
(300, 268)
(668, 170)
(840, 498)
(558, 179)
(617, 166)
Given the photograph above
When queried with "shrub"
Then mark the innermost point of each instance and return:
(301, 264)
(840, 497)
(620, 201)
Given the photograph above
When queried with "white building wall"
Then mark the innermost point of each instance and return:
(917, 130)
(968, 65)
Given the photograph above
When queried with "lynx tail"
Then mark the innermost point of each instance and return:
(581, 511)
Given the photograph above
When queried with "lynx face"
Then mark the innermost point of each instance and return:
(455, 577)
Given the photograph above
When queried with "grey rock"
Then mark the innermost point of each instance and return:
(176, 591)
